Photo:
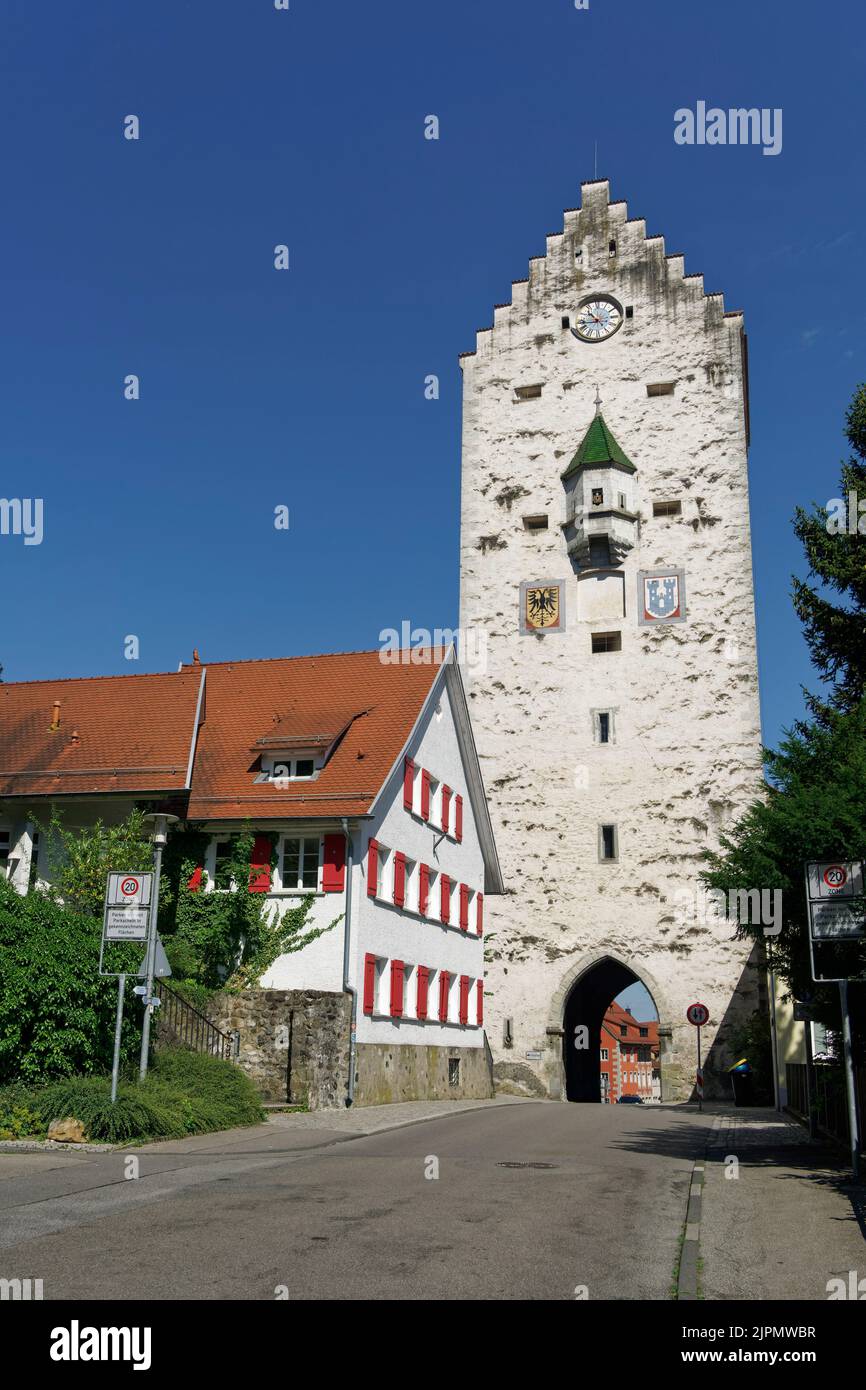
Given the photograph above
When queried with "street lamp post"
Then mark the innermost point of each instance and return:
(160, 836)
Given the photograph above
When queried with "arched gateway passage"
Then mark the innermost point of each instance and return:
(585, 1005)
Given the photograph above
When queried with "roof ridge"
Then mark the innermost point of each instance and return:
(65, 680)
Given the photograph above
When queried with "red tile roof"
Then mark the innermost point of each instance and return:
(116, 734)
(376, 703)
(135, 733)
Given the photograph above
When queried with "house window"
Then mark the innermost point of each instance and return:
(299, 863)
(606, 642)
(644, 1033)
(607, 846)
(604, 1054)
(5, 847)
(667, 508)
(222, 867)
(623, 1028)
(291, 769)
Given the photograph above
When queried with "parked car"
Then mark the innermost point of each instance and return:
(630, 1100)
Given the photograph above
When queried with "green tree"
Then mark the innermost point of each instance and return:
(834, 540)
(56, 1011)
(80, 858)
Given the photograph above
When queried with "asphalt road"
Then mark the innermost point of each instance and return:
(323, 1216)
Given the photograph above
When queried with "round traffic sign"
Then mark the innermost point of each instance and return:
(129, 887)
(835, 876)
(698, 1014)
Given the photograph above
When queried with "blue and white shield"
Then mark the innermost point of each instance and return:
(661, 597)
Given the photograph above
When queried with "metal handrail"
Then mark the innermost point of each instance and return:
(191, 1027)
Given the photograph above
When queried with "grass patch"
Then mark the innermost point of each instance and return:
(184, 1093)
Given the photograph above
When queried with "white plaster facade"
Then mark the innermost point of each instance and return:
(684, 756)
(391, 932)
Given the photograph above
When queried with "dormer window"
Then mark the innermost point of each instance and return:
(289, 769)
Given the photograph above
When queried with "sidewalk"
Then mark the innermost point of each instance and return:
(789, 1221)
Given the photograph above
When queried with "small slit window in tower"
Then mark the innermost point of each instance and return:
(578, 253)
(607, 842)
(611, 249)
(535, 523)
(672, 508)
(629, 311)
(622, 501)
(660, 388)
(566, 321)
(606, 642)
(603, 726)
(599, 552)
(528, 393)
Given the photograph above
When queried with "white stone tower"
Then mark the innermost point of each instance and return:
(606, 555)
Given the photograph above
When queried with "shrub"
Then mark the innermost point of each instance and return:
(56, 1011)
(219, 1093)
(18, 1119)
(184, 1093)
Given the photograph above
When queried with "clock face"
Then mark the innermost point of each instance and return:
(597, 319)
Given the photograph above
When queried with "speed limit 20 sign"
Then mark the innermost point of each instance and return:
(129, 890)
(698, 1014)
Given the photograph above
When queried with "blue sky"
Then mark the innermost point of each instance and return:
(305, 388)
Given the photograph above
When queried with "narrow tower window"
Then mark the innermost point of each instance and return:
(607, 846)
(603, 727)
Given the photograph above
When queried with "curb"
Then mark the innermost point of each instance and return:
(687, 1278)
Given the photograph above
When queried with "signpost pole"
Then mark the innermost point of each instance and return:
(118, 1026)
(849, 1081)
(700, 1075)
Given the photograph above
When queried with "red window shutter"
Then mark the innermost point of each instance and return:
(458, 818)
(260, 865)
(444, 981)
(425, 794)
(408, 783)
(423, 982)
(479, 1001)
(397, 967)
(194, 880)
(423, 888)
(334, 864)
(464, 998)
(446, 804)
(464, 907)
(479, 913)
(445, 898)
(372, 868)
(399, 879)
(369, 983)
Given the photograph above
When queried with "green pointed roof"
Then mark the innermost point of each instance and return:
(599, 447)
